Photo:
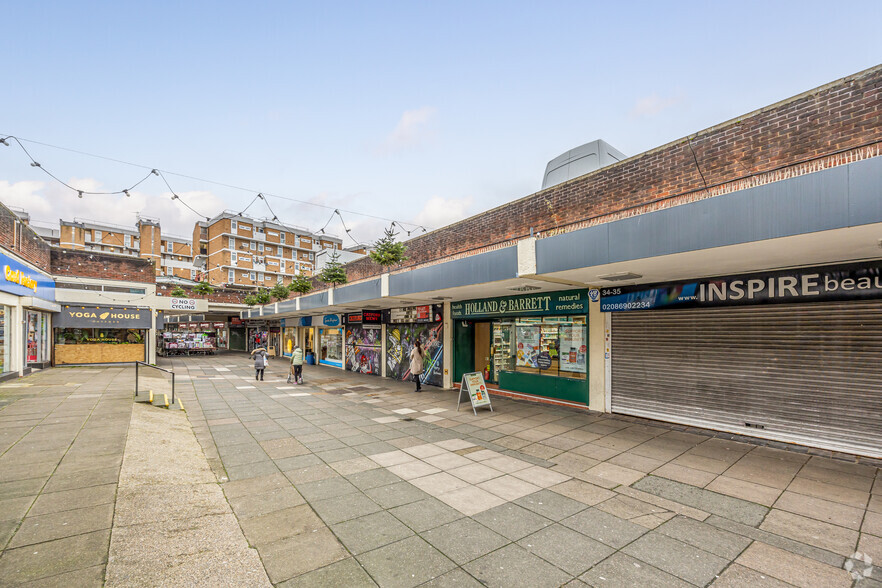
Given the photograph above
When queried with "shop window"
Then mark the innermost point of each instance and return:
(4, 344)
(549, 346)
(332, 345)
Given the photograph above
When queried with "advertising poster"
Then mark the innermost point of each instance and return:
(363, 350)
(528, 347)
(477, 389)
(399, 343)
(573, 349)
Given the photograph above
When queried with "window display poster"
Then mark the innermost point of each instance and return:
(399, 343)
(528, 347)
(573, 350)
(363, 350)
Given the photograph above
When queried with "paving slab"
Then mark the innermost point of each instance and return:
(370, 532)
(623, 570)
(687, 562)
(347, 572)
(515, 566)
(604, 527)
(568, 550)
(792, 568)
(738, 510)
(406, 563)
(464, 540)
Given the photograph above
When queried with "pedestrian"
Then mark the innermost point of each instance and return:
(260, 361)
(416, 364)
(296, 365)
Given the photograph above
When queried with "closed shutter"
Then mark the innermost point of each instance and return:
(807, 373)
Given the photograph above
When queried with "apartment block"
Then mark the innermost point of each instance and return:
(239, 250)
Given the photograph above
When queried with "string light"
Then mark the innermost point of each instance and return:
(175, 196)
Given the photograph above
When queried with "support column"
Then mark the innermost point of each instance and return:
(447, 362)
(596, 358)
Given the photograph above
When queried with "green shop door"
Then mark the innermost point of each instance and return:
(463, 349)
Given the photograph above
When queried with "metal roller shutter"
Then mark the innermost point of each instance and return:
(807, 373)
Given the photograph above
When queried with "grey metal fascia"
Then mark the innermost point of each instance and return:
(482, 268)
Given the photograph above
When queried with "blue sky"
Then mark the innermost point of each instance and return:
(416, 111)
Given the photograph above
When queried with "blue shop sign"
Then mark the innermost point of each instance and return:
(19, 279)
(306, 321)
(331, 320)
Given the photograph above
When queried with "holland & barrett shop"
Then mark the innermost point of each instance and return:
(534, 343)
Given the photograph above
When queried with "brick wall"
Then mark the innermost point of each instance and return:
(105, 266)
(840, 116)
(21, 240)
(221, 295)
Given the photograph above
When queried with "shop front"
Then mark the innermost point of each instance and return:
(27, 299)
(199, 338)
(364, 332)
(533, 344)
(238, 338)
(404, 327)
(100, 334)
(790, 355)
(330, 340)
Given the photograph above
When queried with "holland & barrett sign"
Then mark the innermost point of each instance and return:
(539, 304)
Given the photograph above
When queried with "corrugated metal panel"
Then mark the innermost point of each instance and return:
(807, 373)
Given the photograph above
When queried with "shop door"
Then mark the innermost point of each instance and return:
(482, 346)
(807, 374)
(463, 349)
(237, 339)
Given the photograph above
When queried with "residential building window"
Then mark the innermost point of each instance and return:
(260, 277)
(260, 247)
(282, 237)
(232, 243)
(234, 226)
(231, 276)
(97, 235)
(282, 266)
(259, 229)
(170, 247)
(192, 274)
(279, 280)
(253, 245)
(251, 275)
(234, 257)
(310, 257)
(128, 240)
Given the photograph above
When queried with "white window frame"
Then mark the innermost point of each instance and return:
(97, 236)
(311, 256)
(252, 276)
(127, 239)
(234, 226)
(231, 243)
(231, 276)
(281, 236)
(253, 246)
(260, 277)
(169, 247)
(260, 247)
(234, 257)
(282, 266)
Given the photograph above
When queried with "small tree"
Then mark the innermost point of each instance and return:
(333, 272)
(300, 284)
(204, 289)
(251, 300)
(178, 292)
(279, 291)
(263, 296)
(387, 251)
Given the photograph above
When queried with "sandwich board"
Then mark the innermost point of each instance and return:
(473, 384)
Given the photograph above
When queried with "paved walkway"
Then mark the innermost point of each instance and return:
(353, 480)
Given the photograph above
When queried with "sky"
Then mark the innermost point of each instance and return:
(419, 112)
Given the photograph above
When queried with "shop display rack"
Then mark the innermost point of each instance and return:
(173, 343)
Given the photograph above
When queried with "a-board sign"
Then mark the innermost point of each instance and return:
(473, 384)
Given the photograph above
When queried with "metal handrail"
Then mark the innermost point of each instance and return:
(145, 364)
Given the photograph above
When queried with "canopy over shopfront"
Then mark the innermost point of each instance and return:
(101, 334)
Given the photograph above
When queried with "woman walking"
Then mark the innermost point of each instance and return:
(296, 366)
(416, 364)
(260, 361)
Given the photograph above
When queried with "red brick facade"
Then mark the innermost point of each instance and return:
(838, 122)
(21, 240)
(102, 266)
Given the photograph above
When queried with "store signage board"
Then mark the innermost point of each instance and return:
(306, 321)
(219, 325)
(539, 304)
(818, 284)
(544, 361)
(331, 320)
(103, 316)
(473, 385)
(183, 304)
(21, 280)
(353, 317)
(415, 314)
(372, 317)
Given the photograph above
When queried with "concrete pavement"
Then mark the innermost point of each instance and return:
(354, 480)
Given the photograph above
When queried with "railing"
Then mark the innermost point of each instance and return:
(140, 363)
